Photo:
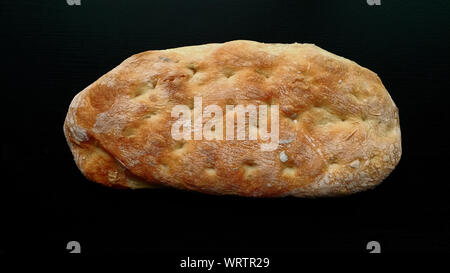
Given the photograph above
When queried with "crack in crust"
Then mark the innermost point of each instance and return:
(339, 127)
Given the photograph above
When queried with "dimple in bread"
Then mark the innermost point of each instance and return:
(339, 129)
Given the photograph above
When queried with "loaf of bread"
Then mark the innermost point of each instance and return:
(338, 128)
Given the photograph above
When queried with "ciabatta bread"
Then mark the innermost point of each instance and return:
(338, 127)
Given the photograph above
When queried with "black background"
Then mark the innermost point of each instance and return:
(51, 51)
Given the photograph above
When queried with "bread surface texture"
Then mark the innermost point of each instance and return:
(339, 129)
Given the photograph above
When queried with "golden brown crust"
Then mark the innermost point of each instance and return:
(339, 128)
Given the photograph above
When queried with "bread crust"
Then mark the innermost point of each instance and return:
(339, 128)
